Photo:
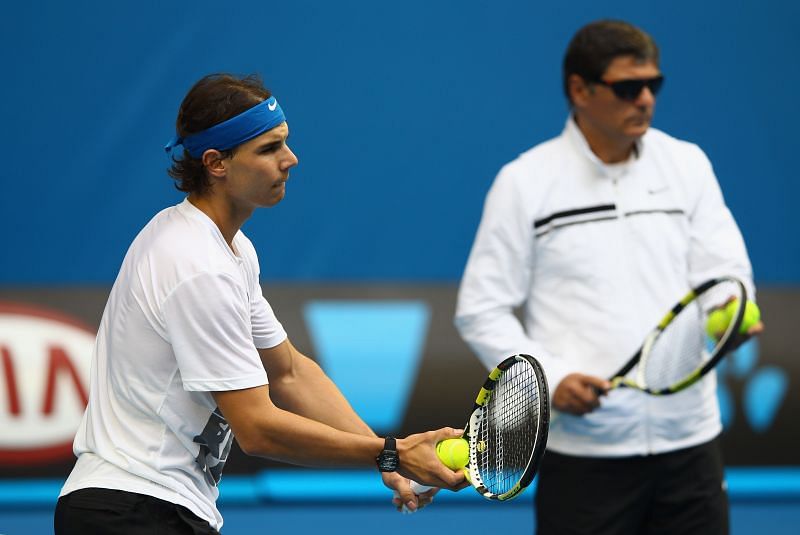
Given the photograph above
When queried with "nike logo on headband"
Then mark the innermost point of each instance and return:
(273, 105)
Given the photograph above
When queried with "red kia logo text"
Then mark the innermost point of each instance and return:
(44, 383)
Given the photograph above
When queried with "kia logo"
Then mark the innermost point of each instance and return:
(45, 357)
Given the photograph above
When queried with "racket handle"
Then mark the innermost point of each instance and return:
(418, 488)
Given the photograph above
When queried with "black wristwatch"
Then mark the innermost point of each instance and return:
(388, 460)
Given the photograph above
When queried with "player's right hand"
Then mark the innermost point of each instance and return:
(578, 393)
(418, 460)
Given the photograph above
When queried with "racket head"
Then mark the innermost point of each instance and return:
(507, 430)
(679, 351)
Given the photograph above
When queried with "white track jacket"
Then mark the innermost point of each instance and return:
(594, 255)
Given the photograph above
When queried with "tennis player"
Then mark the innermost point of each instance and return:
(189, 353)
(595, 234)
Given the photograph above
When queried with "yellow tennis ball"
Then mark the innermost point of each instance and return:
(752, 314)
(453, 452)
(717, 322)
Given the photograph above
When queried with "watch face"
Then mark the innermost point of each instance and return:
(387, 461)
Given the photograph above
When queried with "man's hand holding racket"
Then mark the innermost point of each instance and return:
(405, 500)
(579, 394)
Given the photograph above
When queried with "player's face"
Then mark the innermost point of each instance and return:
(614, 117)
(256, 174)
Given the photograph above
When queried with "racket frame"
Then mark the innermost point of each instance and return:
(726, 342)
(485, 394)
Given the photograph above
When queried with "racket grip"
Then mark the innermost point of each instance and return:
(416, 488)
(419, 488)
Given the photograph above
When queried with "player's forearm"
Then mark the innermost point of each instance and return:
(263, 429)
(310, 393)
(288, 437)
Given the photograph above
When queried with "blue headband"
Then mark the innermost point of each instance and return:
(235, 131)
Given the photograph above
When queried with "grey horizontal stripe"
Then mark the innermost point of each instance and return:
(675, 211)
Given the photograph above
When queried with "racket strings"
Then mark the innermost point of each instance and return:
(684, 346)
(677, 352)
(509, 428)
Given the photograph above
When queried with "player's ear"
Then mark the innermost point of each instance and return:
(214, 162)
(579, 90)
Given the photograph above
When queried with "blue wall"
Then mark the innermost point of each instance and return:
(401, 114)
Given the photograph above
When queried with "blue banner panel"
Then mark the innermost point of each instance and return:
(372, 351)
(401, 114)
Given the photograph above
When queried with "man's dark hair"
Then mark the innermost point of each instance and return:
(213, 99)
(596, 45)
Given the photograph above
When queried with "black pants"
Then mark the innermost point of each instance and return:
(676, 493)
(116, 512)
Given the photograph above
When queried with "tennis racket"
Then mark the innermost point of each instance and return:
(507, 430)
(678, 352)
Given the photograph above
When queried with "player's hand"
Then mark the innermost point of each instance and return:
(754, 330)
(578, 393)
(426, 497)
(404, 496)
(418, 460)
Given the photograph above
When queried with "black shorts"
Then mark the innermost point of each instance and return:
(97, 511)
(677, 492)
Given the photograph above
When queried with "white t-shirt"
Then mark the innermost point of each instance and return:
(184, 318)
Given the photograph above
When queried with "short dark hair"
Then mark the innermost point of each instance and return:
(213, 99)
(596, 45)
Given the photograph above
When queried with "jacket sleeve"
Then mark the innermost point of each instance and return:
(716, 245)
(497, 279)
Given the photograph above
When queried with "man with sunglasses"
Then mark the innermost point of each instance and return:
(594, 234)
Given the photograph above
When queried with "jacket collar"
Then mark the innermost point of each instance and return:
(576, 137)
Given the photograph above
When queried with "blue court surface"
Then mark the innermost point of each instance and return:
(336, 502)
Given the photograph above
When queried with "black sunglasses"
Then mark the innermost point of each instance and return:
(631, 89)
